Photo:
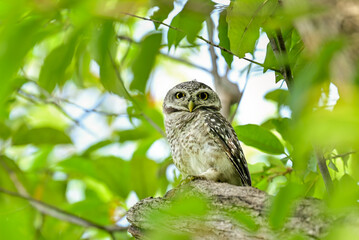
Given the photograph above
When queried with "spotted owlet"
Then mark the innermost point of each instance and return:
(203, 142)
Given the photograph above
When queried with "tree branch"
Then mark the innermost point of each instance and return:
(229, 210)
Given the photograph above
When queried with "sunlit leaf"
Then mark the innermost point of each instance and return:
(281, 96)
(346, 194)
(165, 7)
(56, 63)
(17, 38)
(189, 21)
(245, 18)
(259, 137)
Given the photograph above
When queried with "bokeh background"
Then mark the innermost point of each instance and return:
(81, 124)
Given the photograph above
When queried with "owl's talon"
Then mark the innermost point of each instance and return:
(190, 178)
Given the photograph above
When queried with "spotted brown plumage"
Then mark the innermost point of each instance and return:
(203, 143)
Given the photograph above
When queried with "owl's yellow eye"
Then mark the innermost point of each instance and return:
(179, 95)
(203, 95)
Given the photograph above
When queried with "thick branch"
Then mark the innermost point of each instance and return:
(224, 200)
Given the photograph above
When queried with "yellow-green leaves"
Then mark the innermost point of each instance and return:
(245, 19)
(282, 204)
(259, 137)
(165, 7)
(17, 39)
(189, 21)
(145, 61)
(53, 71)
(104, 51)
(223, 37)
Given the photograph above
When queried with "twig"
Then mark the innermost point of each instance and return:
(340, 155)
(201, 38)
(169, 56)
(185, 62)
(287, 171)
(34, 99)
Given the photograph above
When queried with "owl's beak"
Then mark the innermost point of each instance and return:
(190, 106)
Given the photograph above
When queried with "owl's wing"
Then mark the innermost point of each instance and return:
(223, 131)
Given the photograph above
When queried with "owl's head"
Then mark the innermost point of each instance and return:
(189, 97)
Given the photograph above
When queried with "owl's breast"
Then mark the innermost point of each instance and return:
(194, 150)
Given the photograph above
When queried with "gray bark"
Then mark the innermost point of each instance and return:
(308, 218)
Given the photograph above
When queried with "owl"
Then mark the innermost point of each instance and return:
(203, 143)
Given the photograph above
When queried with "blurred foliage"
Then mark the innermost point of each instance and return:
(55, 54)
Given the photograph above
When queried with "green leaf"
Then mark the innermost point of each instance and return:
(245, 220)
(56, 63)
(110, 171)
(245, 18)
(145, 61)
(281, 206)
(115, 173)
(270, 60)
(5, 131)
(282, 125)
(40, 136)
(260, 138)
(223, 37)
(17, 38)
(96, 146)
(280, 96)
(104, 50)
(165, 7)
(189, 21)
(144, 179)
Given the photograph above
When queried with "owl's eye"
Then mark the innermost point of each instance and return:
(179, 95)
(203, 95)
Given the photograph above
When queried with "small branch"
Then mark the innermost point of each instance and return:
(34, 99)
(199, 37)
(340, 155)
(287, 171)
(125, 38)
(185, 62)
